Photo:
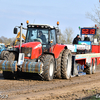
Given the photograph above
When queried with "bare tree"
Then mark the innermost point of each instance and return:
(95, 17)
(66, 37)
(61, 39)
(6, 40)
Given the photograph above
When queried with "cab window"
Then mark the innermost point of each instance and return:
(53, 37)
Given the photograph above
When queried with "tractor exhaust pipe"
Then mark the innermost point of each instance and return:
(21, 36)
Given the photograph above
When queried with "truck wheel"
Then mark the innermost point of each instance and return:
(6, 55)
(88, 70)
(11, 56)
(58, 72)
(9, 75)
(66, 64)
(2, 54)
(94, 67)
(75, 70)
(48, 67)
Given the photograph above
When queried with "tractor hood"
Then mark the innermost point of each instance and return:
(32, 50)
(33, 45)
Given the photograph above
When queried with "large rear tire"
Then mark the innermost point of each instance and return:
(48, 67)
(58, 72)
(66, 64)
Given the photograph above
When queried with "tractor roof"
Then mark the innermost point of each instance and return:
(40, 25)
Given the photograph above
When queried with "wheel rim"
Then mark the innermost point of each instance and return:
(51, 69)
(68, 66)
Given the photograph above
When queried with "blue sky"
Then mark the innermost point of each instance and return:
(70, 13)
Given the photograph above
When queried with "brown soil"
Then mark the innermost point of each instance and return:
(72, 89)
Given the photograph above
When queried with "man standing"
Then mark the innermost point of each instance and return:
(76, 39)
(86, 38)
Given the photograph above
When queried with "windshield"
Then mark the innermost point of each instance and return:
(36, 34)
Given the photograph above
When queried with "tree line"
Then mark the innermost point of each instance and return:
(6, 40)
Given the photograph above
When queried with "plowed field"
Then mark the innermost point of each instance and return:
(30, 89)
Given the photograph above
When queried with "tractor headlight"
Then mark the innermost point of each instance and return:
(28, 55)
(26, 51)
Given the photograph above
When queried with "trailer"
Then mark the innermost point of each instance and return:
(85, 54)
(42, 55)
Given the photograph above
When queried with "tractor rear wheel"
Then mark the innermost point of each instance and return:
(58, 72)
(48, 67)
(9, 75)
(66, 64)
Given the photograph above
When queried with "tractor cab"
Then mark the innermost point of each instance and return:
(39, 39)
(45, 34)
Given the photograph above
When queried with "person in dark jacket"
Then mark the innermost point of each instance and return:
(76, 39)
(42, 37)
(86, 38)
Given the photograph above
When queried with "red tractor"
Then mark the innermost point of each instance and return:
(40, 54)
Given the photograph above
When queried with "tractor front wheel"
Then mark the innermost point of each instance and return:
(48, 67)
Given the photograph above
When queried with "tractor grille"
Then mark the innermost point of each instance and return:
(26, 51)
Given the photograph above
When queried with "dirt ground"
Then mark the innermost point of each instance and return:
(77, 88)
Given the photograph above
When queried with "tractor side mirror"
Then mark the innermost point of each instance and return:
(58, 32)
(15, 30)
